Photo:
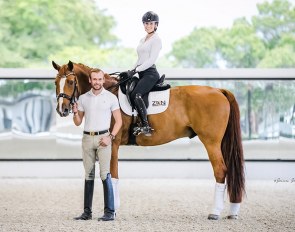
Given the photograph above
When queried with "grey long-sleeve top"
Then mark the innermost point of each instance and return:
(148, 52)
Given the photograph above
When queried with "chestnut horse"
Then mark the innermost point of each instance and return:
(210, 113)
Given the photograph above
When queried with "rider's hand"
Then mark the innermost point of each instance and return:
(131, 72)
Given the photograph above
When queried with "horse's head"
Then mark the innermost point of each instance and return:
(66, 88)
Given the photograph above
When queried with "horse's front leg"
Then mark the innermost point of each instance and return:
(114, 173)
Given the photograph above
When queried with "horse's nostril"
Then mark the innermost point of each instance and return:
(65, 112)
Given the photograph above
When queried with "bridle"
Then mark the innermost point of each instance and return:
(71, 98)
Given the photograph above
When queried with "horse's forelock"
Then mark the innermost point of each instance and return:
(63, 69)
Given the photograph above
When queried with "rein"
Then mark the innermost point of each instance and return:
(119, 82)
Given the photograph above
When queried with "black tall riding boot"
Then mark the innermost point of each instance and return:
(88, 196)
(108, 195)
(141, 109)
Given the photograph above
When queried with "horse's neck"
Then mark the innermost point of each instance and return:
(84, 86)
(83, 80)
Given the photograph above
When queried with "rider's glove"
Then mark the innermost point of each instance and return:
(131, 73)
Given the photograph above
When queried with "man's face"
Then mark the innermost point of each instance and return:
(96, 80)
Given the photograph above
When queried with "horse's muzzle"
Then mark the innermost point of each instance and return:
(65, 112)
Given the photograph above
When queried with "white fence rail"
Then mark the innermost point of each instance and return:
(242, 73)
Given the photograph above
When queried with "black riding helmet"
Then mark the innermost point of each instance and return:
(151, 16)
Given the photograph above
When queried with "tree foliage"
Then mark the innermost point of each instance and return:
(119, 58)
(32, 30)
(268, 40)
(274, 20)
(197, 49)
(240, 47)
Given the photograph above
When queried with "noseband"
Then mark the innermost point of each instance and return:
(71, 98)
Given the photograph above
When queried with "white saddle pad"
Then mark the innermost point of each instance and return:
(158, 102)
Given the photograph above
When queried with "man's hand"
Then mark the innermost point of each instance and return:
(105, 141)
(75, 108)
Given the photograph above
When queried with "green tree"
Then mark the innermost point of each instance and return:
(268, 40)
(274, 20)
(240, 47)
(276, 26)
(279, 57)
(32, 30)
(119, 58)
(197, 49)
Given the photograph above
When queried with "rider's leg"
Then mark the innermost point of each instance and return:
(147, 80)
(141, 109)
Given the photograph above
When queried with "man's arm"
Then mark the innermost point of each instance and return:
(105, 141)
(78, 115)
(118, 121)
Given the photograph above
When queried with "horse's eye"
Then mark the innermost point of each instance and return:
(70, 82)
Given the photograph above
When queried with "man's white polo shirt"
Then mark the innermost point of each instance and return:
(97, 109)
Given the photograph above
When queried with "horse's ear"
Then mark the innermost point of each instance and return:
(70, 65)
(55, 65)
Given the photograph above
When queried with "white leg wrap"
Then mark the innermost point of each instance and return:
(218, 199)
(115, 183)
(234, 208)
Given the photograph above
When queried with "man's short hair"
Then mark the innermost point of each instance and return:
(96, 70)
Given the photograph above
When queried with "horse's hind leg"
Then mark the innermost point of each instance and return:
(219, 168)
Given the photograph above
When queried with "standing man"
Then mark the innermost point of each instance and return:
(97, 105)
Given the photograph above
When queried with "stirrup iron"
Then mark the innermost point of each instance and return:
(146, 130)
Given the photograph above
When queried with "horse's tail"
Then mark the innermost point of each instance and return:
(232, 151)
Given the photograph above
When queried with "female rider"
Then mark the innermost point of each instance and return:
(148, 51)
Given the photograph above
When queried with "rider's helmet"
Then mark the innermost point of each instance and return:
(151, 16)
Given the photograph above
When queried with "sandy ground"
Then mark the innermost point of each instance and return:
(146, 205)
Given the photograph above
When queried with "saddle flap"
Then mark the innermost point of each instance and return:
(130, 87)
(158, 102)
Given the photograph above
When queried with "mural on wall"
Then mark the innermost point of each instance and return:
(29, 114)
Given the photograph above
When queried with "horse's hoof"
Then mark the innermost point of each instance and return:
(213, 217)
(232, 217)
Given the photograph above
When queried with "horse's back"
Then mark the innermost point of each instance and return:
(197, 94)
(202, 108)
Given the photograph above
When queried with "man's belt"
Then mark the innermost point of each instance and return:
(92, 133)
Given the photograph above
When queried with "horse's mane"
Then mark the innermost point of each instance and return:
(83, 65)
(110, 79)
